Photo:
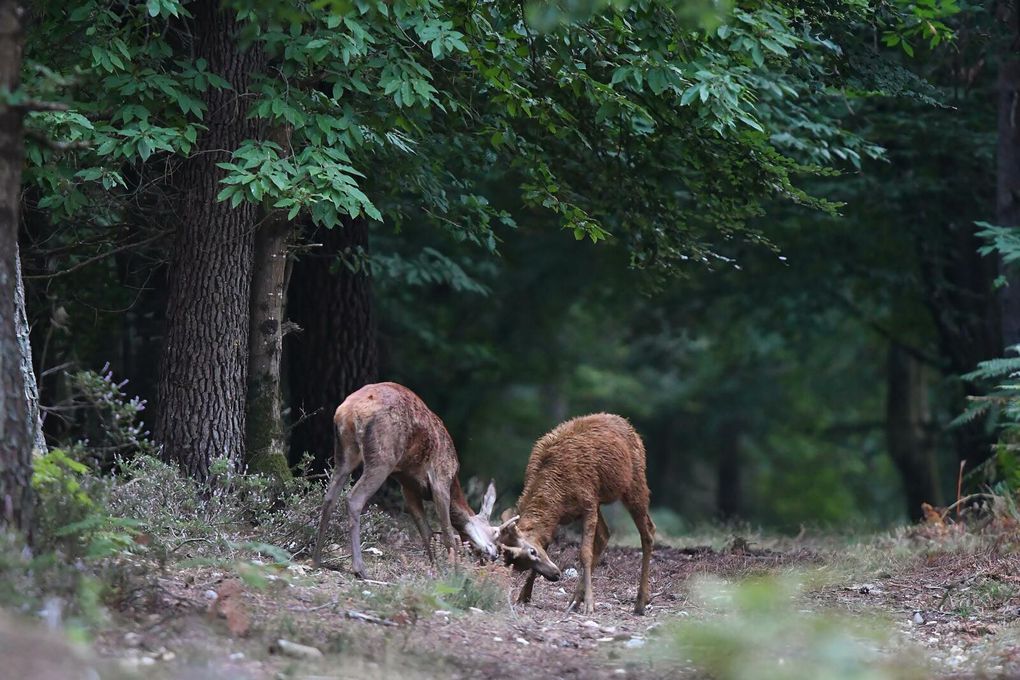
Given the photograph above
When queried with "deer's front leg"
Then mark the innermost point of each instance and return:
(441, 497)
(524, 597)
(417, 511)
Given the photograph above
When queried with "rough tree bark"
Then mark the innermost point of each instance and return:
(267, 447)
(336, 351)
(908, 438)
(203, 372)
(15, 435)
(1007, 201)
(25, 358)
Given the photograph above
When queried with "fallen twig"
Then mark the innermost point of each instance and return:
(332, 603)
(368, 618)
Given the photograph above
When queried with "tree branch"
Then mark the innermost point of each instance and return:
(97, 258)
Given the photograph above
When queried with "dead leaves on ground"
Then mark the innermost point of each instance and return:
(229, 605)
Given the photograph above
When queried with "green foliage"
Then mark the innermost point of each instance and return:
(235, 513)
(457, 589)
(72, 516)
(101, 420)
(999, 401)
(763, 630)
(696, 114)
(1001, 241)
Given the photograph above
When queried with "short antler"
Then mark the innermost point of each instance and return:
(509, 523)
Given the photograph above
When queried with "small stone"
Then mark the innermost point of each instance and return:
(918, 619)
(132, 639)
(620, 671)
(589, 624)
(634, 643)
(147, 661)
(605, 639)
(374, 551)
(475, 610)
(294, 650)
(522, 641)
(608, 630)
(167, 656)
(237, 656)
(441, 612)
(569, 573)
(366, 593)
(497, 639)
(210, 595)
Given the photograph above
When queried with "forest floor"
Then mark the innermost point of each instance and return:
(897, 605)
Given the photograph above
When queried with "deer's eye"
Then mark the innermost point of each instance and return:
(532, 552)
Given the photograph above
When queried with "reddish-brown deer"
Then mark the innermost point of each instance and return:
(390, 430)
(573, 469)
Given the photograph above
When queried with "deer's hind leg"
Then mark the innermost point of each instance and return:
(347, 456)
(601, 541)
(591, 519)
(379, 464)
(637, 506)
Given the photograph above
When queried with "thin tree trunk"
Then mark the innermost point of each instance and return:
(267, 449)
(729, 493)
(25, 354)
(336, 351)
(203, 372)
(15, 434)
(909, 442)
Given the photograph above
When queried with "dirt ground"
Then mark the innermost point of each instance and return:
(957, 606)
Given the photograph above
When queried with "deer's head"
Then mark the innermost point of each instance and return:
(479, 530)
(524, 551)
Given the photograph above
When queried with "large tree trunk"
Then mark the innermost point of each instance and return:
(203, 373)
(1008, 185)
(25, 357)
(267, 448)
(15, 434)
(336, 352)
(908, 439)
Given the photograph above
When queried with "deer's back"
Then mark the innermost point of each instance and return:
(397, 429)
(595, 458)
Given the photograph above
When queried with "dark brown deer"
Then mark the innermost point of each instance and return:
(581, 464)
(390, 430)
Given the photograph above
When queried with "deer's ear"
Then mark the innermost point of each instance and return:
(488, 501)
(508, 513)
(511, 553)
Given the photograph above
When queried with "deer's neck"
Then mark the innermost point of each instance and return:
(460, 511)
